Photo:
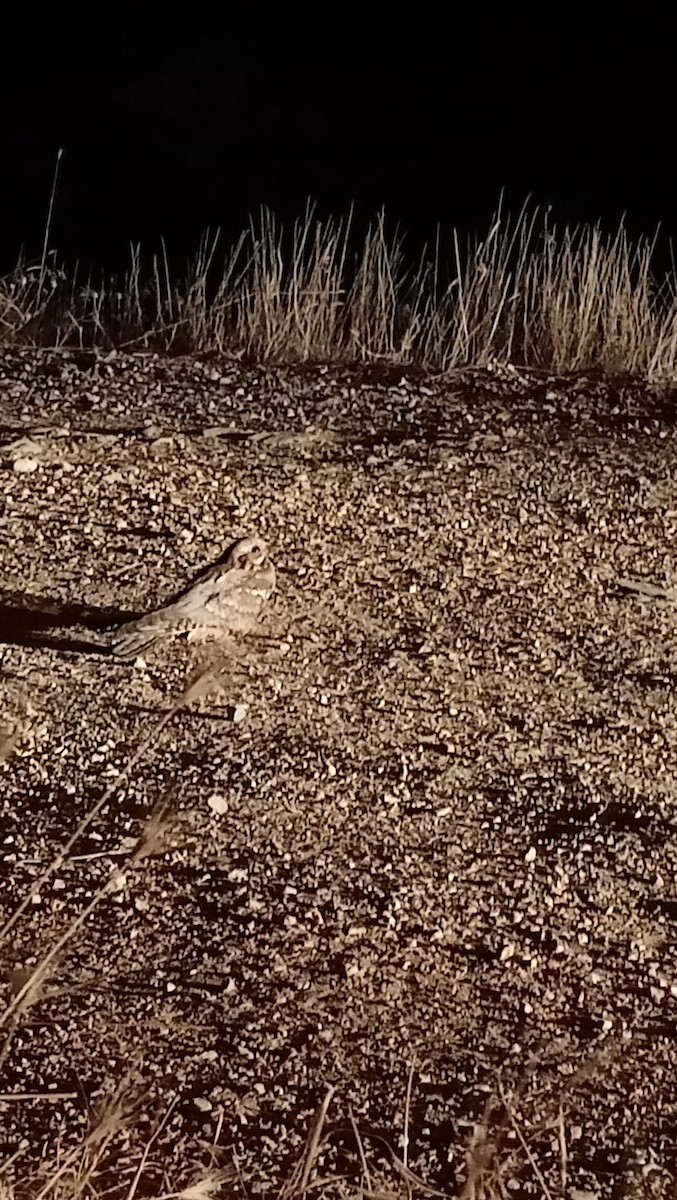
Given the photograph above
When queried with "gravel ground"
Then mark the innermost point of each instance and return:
(431, 864)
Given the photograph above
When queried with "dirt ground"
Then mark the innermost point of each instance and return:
(422, 839)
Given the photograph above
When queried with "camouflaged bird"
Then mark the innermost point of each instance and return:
(226, 598)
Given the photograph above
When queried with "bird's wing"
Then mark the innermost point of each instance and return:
(207, 593)
(222, 592)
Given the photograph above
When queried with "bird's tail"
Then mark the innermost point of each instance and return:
(135, 638)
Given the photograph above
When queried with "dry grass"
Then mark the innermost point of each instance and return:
(526, 293)
(100, 1163)
(73, 1174)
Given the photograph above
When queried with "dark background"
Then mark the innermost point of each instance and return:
(175, 120)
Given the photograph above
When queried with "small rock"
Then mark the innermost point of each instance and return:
(23, 466)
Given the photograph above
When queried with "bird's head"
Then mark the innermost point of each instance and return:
(248, 554)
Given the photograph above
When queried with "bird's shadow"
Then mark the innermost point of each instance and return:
(42, 621)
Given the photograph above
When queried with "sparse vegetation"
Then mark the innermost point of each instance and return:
(527, 293)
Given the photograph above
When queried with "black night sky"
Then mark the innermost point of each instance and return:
(175, 120)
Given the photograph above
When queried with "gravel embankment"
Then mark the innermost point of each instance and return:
(439, 848)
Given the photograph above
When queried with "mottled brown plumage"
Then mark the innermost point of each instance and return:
(227, 598)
